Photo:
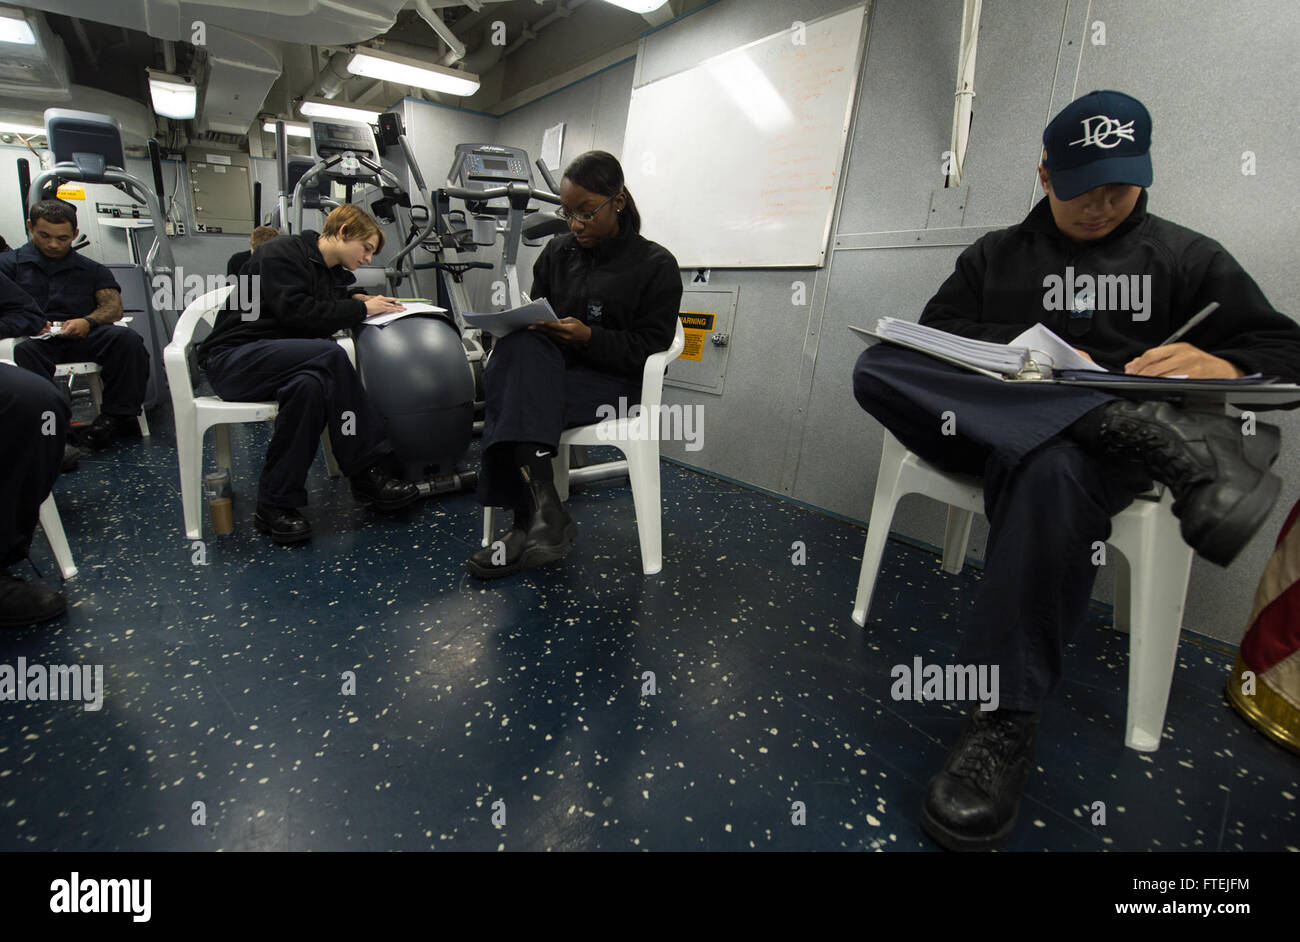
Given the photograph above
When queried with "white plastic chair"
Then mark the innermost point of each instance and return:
(196, 414)
(1150, 586)
(639, 443)
(89, 369)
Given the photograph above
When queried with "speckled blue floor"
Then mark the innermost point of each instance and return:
(224, 685)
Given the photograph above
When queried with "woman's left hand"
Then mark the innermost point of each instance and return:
(565, 330)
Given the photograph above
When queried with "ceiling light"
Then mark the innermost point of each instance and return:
(373, 63)
(16, 29)
(291, 128)
(638, 6)
(316, 108)
(14, 127)
(174, 96)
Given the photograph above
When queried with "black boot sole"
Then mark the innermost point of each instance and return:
(387, 507)
(955, 841)
(284, 539)
(1222, 544)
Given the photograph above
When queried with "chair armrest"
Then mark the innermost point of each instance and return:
(7, 348)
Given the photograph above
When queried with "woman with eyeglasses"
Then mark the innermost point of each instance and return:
(617, 297)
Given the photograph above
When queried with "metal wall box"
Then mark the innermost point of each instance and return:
(708, 315)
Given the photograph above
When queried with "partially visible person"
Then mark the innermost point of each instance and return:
(82, 303)
(260, 236)
(34, 421)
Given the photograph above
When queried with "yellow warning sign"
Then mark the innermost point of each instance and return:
(67, 192)
(696, 327)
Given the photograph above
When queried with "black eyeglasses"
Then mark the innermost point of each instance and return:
(568, 215)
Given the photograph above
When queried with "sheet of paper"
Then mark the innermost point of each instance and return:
(552, 143)
(1062, 355)
(417, 307)
(501, 323)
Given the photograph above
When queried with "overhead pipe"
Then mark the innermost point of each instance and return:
(562, 11)
(456, 47)
(970, 25)
(329, 81)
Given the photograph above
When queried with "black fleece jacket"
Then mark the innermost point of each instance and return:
(627, 289)
(998, 290)
(300, 297)
(19, 314)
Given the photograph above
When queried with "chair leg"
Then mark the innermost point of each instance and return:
(1122, 617)
(643, 473)
(331, 465)
(888, 493)
(560, 471)
(144, 424)
(1160, 572)
(52, 524)
(956, 539)
(221, 436)
(489, 524)
(189, 455)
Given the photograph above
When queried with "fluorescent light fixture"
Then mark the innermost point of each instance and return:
(173, 95)
(291, 128)
(15, 127)
(638, 6)
(317, 108)
(376, 64)
(16, 30)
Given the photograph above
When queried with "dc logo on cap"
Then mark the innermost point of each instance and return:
(1105, 132)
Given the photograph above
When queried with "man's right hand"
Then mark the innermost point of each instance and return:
(382, 305)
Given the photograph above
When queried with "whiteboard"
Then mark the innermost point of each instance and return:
(735, 162)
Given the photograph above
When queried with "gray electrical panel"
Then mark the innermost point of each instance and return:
(221, 190)
(707, 315)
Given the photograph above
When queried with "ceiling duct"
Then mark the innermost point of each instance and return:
(325, 22)
(35, 76)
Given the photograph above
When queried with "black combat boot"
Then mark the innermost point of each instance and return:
(25, 603)
(285, 524)
(493, 561)
(972, 803)
(551, 531)
(381, 491)
(1219, 477)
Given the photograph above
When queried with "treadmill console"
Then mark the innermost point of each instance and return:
(479, 166)
(332, 136)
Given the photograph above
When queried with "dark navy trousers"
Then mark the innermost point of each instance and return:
(532, 394)
(34, 419)
(119, 351)
(316, 386)
(1046, 498)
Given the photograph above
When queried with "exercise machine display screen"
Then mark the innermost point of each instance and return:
(334, 137)
(483, 165)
